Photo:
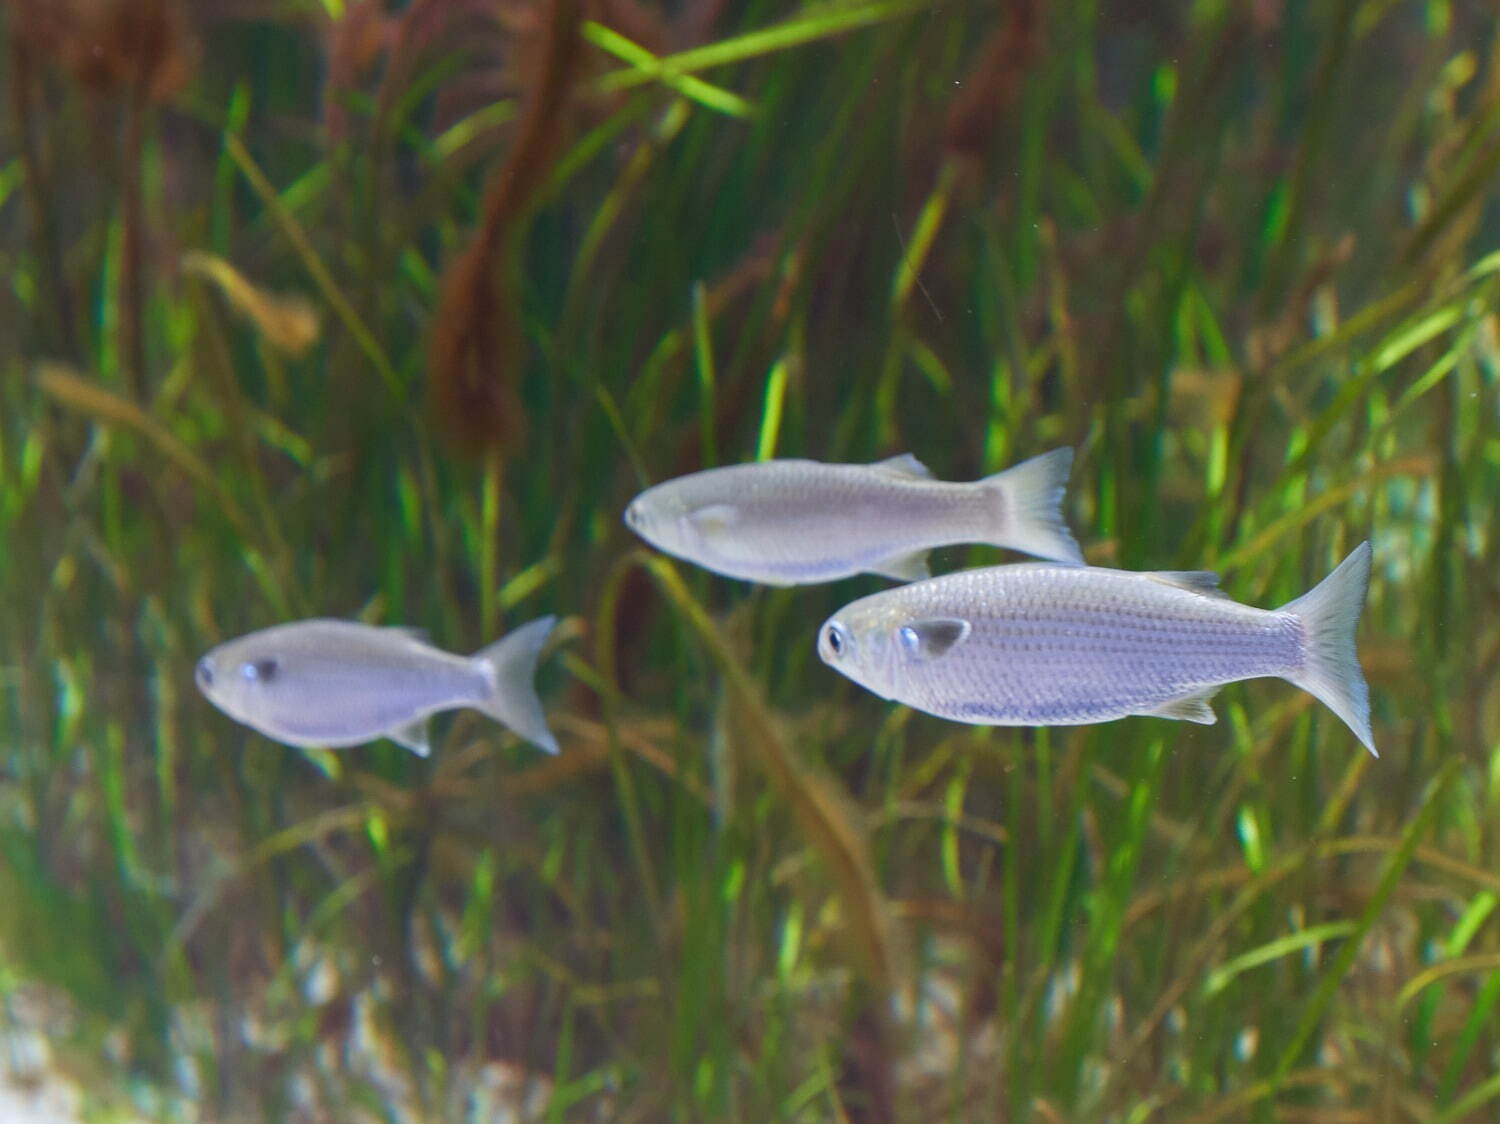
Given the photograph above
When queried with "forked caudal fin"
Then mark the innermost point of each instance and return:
(1330, 614)
(509, 665)
(1029, 507)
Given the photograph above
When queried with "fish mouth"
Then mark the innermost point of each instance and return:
(204, 674)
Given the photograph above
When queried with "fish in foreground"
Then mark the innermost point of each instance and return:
(795, 522)
(340, 683)
(1038, 645)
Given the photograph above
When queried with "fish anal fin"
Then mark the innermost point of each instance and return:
(1192, 707)
(1204, 582)
(414, 735)
(905, 464)
(933, 638)
(903, 567)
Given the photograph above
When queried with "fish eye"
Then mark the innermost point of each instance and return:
(259, 671)
(909, 639)
(836, 639)
(205, 672)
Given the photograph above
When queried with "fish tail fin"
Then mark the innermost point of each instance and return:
(1027, 505)
(1330, 614)
(509, 667)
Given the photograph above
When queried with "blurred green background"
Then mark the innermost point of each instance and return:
(316, 307)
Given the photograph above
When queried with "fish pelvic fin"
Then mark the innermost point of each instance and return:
(1027, 507)
(509, 668)
(414, 736)
(1329, 613)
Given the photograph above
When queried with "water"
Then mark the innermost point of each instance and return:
(324, 310)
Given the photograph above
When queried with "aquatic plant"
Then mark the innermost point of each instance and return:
(1242, 256)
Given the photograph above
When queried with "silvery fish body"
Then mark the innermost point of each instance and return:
(340, 683)
(794, 522)
(1038, 645)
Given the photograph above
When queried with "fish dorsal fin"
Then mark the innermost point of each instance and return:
(715, 517)
(1205, 582)
(1191, 707)
(903, 567)
(413, 736)
(906, 464)
(420, 635)
(934, 638)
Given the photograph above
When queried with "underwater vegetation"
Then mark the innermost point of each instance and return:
(385, 311)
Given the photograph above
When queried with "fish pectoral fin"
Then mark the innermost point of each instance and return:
(1205, 582)
(903, 567)
(715, 517)
(1189, 708)
(905, 465)
(932, 639)
(413, 736)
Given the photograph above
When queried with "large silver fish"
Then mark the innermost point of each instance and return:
(1037, 645)
(339, 683)
(794, 522)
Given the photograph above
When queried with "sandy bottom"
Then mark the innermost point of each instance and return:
(45, 1101)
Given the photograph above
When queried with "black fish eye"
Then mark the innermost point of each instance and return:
(261, 671)
(835, 639)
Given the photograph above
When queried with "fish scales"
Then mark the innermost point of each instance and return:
(1041, 645)
(332, 660)
(788, 522)
(339, 683)
(1035, 646)
(1062, 645)
(834, 511)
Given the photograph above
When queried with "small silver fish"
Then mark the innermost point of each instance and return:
(340, 683)
(795, 522)
(1038, 645)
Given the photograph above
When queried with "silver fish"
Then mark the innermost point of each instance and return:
(1038, 645)
(339, 683)
(794, 522)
